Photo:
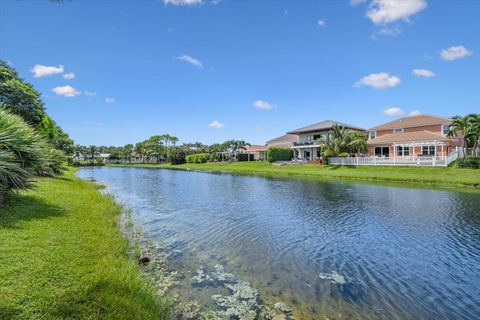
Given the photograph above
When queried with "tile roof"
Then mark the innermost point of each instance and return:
(253, 148)
(323, 126)
(412, 121)
(390, 138)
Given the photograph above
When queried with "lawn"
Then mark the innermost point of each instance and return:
(62, 257)
(437, 176)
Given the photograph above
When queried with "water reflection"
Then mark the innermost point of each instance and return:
(402, 253)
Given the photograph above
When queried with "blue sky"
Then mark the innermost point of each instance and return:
(210, 71)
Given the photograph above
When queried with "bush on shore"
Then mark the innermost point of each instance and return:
(197, 158)
(469, 163)
(279, 154)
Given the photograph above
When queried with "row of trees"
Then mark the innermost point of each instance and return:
(164, 148)
(31, 143)
(340, 141)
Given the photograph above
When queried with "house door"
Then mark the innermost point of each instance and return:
(306, 155)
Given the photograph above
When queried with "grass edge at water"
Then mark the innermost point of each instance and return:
(63, 257)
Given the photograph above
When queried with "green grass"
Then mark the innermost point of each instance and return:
(439, 176)
(62, 257)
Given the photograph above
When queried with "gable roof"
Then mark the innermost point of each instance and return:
(423, 135)
(323, 126)
(412, 121)
(283, 140)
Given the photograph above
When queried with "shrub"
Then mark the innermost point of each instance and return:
(279, 154)
(22, 152)
(343, 154)
(328, 153)
(197, 158)
(469, 163)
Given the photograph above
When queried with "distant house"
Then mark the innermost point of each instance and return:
(305, 147)
(259, 152)
(413, 136)
(285, 141)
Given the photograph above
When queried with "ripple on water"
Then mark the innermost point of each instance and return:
(404, 253)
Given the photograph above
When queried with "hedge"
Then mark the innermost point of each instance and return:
(198, 158)
(469, 163)
(279, 154)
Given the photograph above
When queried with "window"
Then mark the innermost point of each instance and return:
(382, 151)
(316, 136)
(397, 130)
(428, 150)
(445, 128)
(373, 134)
(403, 151)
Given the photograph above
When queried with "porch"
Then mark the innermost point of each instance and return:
(308, 152)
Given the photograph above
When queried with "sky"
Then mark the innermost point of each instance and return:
(118, 72)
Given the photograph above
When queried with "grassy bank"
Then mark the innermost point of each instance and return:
(62, 257)
(439, 176)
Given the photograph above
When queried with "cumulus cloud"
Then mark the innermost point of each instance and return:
(182, 2)
(66, 91)
(264, 105)
(216, 124)
(380, 80)
(109, 100)
(415, 113)
(40, 70)
(192, 61)
(69, 76)
(393, 111)
(383, 12)
(454, 53)
(322, 22)
(90, 93)
(423, 73)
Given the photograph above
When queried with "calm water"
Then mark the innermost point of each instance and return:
(400, 253)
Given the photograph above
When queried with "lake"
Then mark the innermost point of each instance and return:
(326, 249)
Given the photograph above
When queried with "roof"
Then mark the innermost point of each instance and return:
(390, 138)
(285, 140)
(412, 121)
(324, 126)
(254, 148)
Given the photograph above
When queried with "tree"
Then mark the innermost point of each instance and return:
(342, 140)
(467, 128)
(19, 97)
(232, 146)
(127, 151)
(155, 146)
(92, 150)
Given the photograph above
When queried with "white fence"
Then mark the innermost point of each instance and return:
(422, 161)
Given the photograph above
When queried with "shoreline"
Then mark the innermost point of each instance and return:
(423, 177)
(64, 256)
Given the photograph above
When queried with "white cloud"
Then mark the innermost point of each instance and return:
(193, 61)
(90, 93)
(393, 111)
(109, 100)
(380, 80)
(260, 129)
(322, 22)
(39, 70)
(388, 11)
(423, 73)
(454, 53)
(183, 2)
(217, 125)
(69, 76)
(264, 105)
(66, 91)
(415, 113)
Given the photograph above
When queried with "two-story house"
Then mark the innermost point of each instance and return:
(410, 137)
(305, 147)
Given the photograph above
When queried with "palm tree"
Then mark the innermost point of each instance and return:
(466, 127)
(342, 140)
(474, 122)
(92, 150)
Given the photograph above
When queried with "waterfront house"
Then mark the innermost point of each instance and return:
(411, 137)
(305, 146)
